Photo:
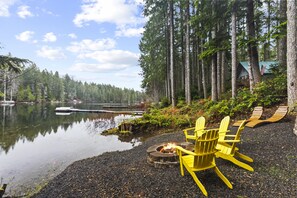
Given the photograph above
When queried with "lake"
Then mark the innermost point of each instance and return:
(36, 144)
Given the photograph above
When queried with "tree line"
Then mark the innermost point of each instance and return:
(32, 85)
(191, 48)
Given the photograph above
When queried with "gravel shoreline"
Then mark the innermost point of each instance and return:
(127, 173)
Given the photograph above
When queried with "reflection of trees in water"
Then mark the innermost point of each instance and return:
(99, 125)
(107, 121)
(131, 139)
(26, 122)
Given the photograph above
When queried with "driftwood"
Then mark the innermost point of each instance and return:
(125, 127)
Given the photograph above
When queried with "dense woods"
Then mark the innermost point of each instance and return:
(33, 85)
(190, 49)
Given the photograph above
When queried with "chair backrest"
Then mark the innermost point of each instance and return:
(279, 113)
(237, 136)
(224, 127)
(257, 112)
(200, 124)
(205, 146)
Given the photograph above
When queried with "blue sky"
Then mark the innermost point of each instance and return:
(91, 40)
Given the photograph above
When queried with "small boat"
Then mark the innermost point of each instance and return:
(63, 113)
(7, 103)
(63, 109)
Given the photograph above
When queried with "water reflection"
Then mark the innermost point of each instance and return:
(37, 144)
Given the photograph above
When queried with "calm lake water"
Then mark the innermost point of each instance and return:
(36, 144)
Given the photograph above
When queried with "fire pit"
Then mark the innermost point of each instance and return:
(164, 154)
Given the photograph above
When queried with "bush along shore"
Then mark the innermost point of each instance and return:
(162, 117)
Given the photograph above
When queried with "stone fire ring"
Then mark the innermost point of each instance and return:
(160, 159)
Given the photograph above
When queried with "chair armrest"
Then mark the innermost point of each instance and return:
(224, 131)
(230, 135)
(222, 141)
(194, 133)
(188, 129)
(181, 149)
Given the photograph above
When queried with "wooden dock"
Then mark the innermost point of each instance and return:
(70, 109)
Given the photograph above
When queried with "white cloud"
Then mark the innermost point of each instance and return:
(23, 12)
(127, 75)
(49, 37)
(72, 35)
(25, 36)
(51, 53)
(4, 7)
(104, 68)
(113, 56)
(119, 12)
(129, 32)
(108, 61)
(90, 45)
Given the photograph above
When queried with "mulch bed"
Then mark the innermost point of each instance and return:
(127, 174)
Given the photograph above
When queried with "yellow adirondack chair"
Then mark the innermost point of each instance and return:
(256, 115)
(202, 158)
(194, 132)
(230, 151)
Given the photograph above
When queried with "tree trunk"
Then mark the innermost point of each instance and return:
(181, 68)
(187, 61)
(223, 77)
(282, 42)
(214, 95)
(203, 74)
(199, 78)
(233, 52)
(291, 54)
(171, 31)
(168, 89)
(267, 42)
(255, 76)
(219, 57)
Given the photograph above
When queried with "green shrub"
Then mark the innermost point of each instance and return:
(267, 93)
(164, 102)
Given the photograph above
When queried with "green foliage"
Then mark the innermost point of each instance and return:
(13, 63)
(181, 102)
(182, 121)
(35, 85)
(155, 117)
(28, 95)
(164, 102)
(267, 93)
(21, 94)
(219, 109)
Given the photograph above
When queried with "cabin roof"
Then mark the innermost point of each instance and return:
(262, 64)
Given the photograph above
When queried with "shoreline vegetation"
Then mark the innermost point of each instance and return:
(161, 116)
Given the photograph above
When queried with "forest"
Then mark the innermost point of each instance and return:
(32, 85)
(190, 49)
